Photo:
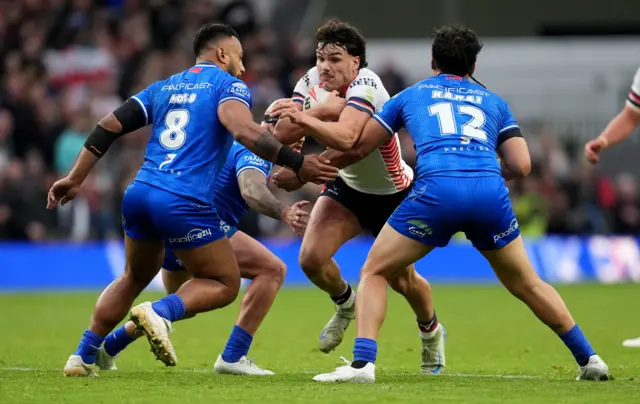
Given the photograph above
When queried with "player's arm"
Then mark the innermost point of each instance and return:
(236, 116)
(620, 128)
(289, 132)
(515, 159)
(254, 190)
(127, 118)
(341, 135)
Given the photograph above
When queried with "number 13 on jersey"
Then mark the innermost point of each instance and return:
(447, 119)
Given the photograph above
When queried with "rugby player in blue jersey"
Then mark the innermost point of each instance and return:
(242, 184)
(457, 127)
(195, 115)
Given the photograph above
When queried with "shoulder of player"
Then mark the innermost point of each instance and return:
(368, 78)
(311, 77)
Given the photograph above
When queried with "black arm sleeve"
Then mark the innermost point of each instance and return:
(515, 132)
(131, 117)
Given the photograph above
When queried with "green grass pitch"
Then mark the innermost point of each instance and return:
(497, 352)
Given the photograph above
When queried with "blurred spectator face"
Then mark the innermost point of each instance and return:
(82, 120)
(16, 86)
(15, 172)
(336, 67)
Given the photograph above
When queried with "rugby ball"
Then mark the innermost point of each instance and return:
(316, 95)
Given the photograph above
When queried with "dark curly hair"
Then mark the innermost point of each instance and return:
(344, 35)
(210, 33)
(455, 50)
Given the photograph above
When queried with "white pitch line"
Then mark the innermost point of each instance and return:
(488, 376)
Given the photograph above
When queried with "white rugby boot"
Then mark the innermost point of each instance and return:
(433, 359)
(333, 333)
(156, 329)
(76, 367)
(244, 367)
(595, 370)
(631, 343)
(347, 374)
(105, 361)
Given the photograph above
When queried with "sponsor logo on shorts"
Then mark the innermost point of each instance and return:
(193, 235)
(224, 226)
(512, 227)
(419, 228)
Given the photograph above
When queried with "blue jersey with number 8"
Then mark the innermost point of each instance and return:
(456, 126)
(188, 145)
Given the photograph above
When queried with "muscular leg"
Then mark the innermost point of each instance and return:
(416, 290)
(330, 226)
(513, 268)
(266, 272)
(143, 259)
(216, 277)
(390, 255)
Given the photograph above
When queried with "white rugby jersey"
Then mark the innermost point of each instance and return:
(383, 172)
(633, 99)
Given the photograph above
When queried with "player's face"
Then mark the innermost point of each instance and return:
(235, 67)
(336, 67)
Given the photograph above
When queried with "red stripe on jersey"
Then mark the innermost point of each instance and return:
(635, 97)
(195, 70)
(390, 153)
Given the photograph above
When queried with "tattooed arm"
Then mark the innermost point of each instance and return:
(253, 187)
(254, 190)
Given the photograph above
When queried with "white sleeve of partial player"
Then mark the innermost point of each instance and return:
(367, 94)
(633, 99)
(310, 79)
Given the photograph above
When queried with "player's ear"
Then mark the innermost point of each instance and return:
(222, 54)
(356, 62)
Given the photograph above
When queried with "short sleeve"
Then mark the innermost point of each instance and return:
(303, 86)
(236, 90)
(145, 98)
(507, 122)
(247, 160)
(366, 94)
(390, 115)
(633, 99)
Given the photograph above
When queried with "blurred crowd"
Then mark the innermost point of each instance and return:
(66, 63)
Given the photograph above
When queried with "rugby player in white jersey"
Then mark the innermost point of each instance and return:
(364, 195)
(620, 128)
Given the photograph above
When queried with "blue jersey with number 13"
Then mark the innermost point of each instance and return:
(188, 145)
(456, 126)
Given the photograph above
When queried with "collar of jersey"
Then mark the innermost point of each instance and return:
(206, 64)
(445, 75)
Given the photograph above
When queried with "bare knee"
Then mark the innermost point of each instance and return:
(312, 260)
(231, 290)
(277, 271)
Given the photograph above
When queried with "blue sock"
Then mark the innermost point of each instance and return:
(116, 341)
(89, 346)
(237, 346)
(170, 307)
(577, 343)
(365, 350)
